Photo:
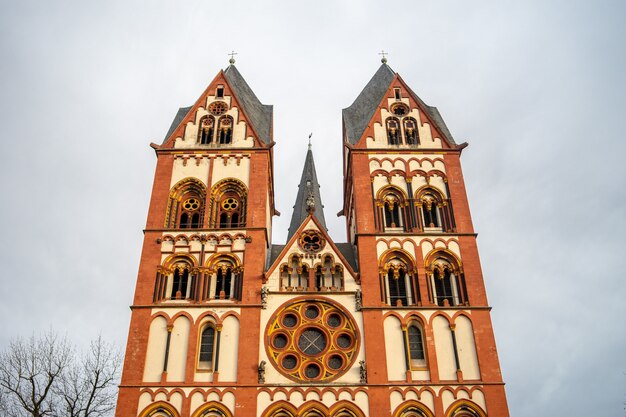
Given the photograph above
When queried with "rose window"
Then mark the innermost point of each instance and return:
(218, 108)
(400, 109)
(191, 204)
(230, 203)
(311, 241)
(312, 340)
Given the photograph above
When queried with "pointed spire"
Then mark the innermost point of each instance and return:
(308, 200)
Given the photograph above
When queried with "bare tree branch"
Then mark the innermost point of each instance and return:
(43, 377)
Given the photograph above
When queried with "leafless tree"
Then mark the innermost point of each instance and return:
(44, 376)
(88, 388)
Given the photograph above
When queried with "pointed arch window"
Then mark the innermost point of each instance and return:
(393, 131)
(206, 351)
(411, 133)
(206, 130)
(225, 130)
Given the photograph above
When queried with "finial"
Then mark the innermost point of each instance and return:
(384, 58)
(310, 134)
(232, 57)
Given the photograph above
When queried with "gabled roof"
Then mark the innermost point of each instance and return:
(259, 115)
(308, 187)
(345, 251)
(357, 117)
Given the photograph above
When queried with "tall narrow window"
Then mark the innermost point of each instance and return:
(416, 346)
(396, 279)
(392, 213)
(180, 282)
(228, 204)
(205, 132)
(393, 131)
(443, 286)
(410, 131)
(225, 130)
(396, 93)
(185, 208)
(223, 283)
(219, 93)
(207, 345)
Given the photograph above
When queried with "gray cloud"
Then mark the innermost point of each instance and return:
(537, 88)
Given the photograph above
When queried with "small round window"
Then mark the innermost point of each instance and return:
(191, 204)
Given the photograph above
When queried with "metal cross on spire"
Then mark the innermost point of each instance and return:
(384, 54)
(310, 134)
(232, 57)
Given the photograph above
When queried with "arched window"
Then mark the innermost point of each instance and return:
(295, 275)
(447, 283)
(399, 280)
(225, 279)
(393, 131)
(225, 130)
(328, 275)
(180, 281)
(416, 346)
(467, 409)
(229, 209)
(411, 133)
(431, 210)
(393, 209)
(185, 207)
(228, 204)
(206, 353)
(206, 130)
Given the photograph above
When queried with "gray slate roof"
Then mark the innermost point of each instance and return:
(308, 186)
(260, 115)
(358, 115)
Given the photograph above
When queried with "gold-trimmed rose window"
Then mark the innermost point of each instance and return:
(312, 340)
(311, 241)
(217, 108)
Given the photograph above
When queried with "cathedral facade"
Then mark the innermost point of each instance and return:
(393, 322)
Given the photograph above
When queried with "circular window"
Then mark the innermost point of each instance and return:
(311, 241)
(335, 362)
(230, 203)
(191, 204)
(400, 109)
(333, 320)
(311, 312)
(312, 371)
(218, 108)
(279, 341)
(312, 340)
(289, 320)
(289, 362)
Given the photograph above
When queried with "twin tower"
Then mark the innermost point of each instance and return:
(395, 322)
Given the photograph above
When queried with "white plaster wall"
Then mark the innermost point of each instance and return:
(197, 312)
(394, 349)
(176, 399)
(190, 169)
(466, 348)
(155, 354)
(262, 402)
(479, 398)
(231, 169)
(444, 349)
(145, 399)
(196, 401)
(229, 401)
(362, 401)
(428, 400)
(395, 399)
(229, 348)
(178, 350)
(447, 397)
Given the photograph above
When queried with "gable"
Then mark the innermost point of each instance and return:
(254, 117)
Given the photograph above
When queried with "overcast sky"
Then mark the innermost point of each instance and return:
(537, 88)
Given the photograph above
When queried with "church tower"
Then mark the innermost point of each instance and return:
(394, 322)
